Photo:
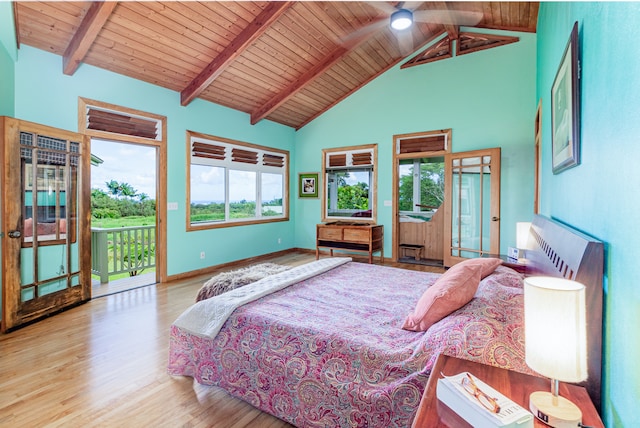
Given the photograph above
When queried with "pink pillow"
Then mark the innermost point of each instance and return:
(454, 289)
(28, 227)
(488, 265)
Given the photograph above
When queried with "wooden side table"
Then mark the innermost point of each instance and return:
(415, 249)
(519, 265)
(517, 386)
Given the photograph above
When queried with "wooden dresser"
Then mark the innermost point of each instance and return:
(352, 237)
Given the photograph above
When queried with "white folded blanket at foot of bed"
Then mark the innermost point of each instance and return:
(205, 318)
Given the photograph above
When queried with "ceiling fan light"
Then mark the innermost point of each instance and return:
(401, 19)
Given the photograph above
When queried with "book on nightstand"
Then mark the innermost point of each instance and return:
(479, 404)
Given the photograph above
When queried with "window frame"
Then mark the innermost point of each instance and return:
(373, 149)
(225, 161)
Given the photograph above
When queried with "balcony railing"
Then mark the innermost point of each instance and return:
(120, 250)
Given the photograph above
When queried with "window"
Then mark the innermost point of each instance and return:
(350, 184)
(232, 183)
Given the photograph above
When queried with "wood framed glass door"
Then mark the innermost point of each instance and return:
(46, 251)
(472, 205)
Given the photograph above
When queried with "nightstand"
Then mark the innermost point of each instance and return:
(517, 386)
(519, 265)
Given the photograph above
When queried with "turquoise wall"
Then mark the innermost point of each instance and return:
(8, 55)
(6, 83)
(600, 195)
(43, 94)
(487, 98)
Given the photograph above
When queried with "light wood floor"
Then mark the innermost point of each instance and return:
(103, 364)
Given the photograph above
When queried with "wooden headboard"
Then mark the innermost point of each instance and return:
(555, 249)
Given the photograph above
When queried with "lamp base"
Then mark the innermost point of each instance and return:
(554, 411)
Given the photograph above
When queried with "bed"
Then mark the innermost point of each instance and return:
(328, 349)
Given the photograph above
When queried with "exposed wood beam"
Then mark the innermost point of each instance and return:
(453, 31)
(88, 30)
(15, 21)
(297, 85)
(255, 29)
(322, 66)
(371, 78)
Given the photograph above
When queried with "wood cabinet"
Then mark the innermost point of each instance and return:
(350, 237)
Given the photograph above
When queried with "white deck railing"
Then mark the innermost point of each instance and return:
(124, 249)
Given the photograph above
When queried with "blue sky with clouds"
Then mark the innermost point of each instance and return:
(124, 163)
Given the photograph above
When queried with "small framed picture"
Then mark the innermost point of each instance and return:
(308, 185)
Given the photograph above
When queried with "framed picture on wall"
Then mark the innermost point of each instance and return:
(308, 184)
(565, 108)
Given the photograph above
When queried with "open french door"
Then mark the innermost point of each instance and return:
(472, 205)
(46, 237)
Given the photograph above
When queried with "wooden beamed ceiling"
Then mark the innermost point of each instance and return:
(249, 34)
(283, 61)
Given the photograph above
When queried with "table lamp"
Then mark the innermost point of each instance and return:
(522, 234)
(555, 344)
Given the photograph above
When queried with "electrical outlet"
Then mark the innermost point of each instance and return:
(279, 240)
(201, 254)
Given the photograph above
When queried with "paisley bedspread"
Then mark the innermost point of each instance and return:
(329, 351)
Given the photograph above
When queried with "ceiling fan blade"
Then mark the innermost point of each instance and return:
(358, 36)
(411, 5)
(405, 42)
(448, 17)
(382, 6)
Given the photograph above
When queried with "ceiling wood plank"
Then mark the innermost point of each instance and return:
(321, 67)
(257, 27)
(298, 84)
(89, 29)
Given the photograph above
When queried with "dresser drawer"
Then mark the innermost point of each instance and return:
(334, 234)
(357, 235)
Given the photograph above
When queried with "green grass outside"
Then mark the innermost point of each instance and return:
(111, 223)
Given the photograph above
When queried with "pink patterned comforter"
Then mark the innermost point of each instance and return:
(329, 351)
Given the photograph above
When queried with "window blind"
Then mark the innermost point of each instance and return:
(350, 158)
(102, 120)
(232, 153)
(431, 143)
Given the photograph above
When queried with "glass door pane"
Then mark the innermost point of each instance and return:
(475, 205)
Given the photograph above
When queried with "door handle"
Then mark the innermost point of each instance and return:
(495, 218)
(14, 234)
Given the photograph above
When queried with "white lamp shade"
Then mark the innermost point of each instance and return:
(555, 328)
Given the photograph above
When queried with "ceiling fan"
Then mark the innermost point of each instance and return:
(402, 17)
